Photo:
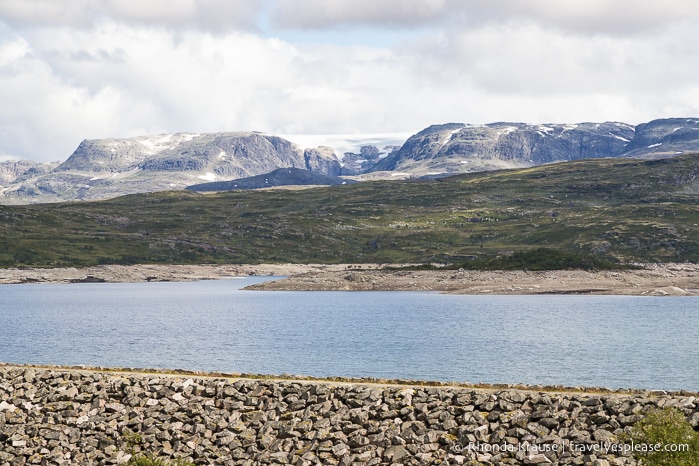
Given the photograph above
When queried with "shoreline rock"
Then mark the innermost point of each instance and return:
(652, 280)
(54, 415)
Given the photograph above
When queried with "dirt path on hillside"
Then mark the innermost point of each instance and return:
(654, 280)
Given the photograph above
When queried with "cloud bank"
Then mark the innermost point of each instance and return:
(85, 69)
(582, 16)
(205, 15)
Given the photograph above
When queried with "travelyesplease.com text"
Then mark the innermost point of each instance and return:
(560, 448)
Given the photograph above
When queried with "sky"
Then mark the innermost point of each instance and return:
(89, 69)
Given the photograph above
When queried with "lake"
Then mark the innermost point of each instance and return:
(610, 341)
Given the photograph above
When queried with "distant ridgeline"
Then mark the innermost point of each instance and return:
(106, 168)
(279, 177)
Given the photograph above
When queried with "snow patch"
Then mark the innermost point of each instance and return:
(208, 177)
(655, 145)
(126, 174)
(342, 143)
(619, 137)
(624, 125)
(150, 146)
(161, 142)
(449, 136)
(400, 174)
(222, 154)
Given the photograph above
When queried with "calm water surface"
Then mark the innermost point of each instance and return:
(610, 341)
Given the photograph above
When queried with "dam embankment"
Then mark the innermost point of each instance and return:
(76, 416)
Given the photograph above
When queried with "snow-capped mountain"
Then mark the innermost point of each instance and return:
(458, 148)
(105, 168)
(111, 167)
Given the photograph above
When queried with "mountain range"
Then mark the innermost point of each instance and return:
(106, 168)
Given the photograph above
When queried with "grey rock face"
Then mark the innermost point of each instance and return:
(425, 144)
(322, 160)
(101, 169)
(16, 171)
(666, 137)
(107, 155)
(365, 160)
(456, 147)
(227, 154)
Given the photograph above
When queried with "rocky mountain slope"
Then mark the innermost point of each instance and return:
(459, 148)
(100, 169)
(106, 168)
(13, 171)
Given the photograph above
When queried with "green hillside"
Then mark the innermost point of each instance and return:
(622, 209)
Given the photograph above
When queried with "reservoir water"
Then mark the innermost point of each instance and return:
(610, 341)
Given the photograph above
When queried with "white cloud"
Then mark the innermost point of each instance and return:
(601, 16)
(210, 15)
(518, 58)
(42, 114)
(323, 14)
(119, 81)
(609, 16)
(524, 72)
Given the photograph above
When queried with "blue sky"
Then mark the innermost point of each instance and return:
(88, 69)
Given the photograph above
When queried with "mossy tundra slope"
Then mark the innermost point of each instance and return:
(627, 210)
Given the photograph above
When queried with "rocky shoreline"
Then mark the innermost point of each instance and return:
(651, 280)
(58, 415)
(141, 273)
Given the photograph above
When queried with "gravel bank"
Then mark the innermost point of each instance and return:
(151, 272)
(654, 280)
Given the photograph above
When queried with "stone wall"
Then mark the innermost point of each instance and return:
(69, 416)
